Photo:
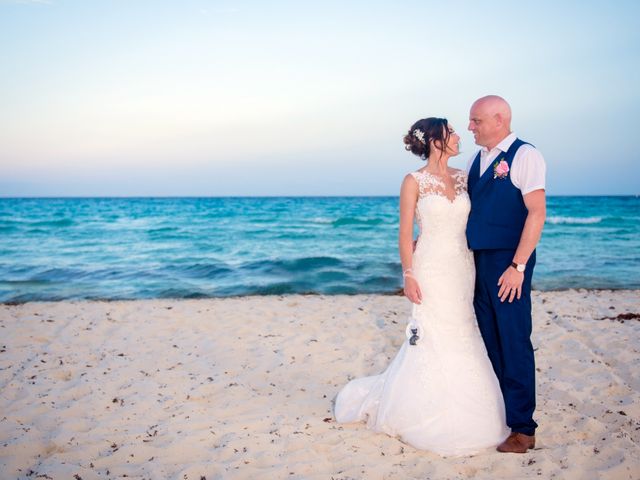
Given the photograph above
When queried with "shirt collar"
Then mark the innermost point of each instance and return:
(504, 145)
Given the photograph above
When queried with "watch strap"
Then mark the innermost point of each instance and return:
(515, 265)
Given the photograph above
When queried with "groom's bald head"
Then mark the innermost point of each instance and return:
(494, 105)
(490, 120)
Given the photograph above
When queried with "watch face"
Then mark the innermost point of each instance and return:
(520, 268)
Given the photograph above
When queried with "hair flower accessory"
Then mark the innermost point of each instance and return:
(419, 134)
(500, 169)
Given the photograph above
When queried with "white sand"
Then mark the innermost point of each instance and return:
(243, 388)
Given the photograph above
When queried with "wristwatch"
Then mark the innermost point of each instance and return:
(519, 266)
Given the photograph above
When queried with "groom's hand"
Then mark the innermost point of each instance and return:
(510, 284)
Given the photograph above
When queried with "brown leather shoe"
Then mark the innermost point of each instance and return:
(517, 443)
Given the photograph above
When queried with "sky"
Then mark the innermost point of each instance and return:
(218, 98)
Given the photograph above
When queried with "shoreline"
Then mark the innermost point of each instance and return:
(285, 295)
(236, 388)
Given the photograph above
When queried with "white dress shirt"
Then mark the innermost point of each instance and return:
(528, 168)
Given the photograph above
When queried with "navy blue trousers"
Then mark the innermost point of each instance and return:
(506, 330)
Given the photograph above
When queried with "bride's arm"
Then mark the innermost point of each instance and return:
(408, 199)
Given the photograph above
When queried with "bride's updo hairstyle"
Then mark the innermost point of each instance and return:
(423, 133)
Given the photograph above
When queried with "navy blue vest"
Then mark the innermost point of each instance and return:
(498, 211)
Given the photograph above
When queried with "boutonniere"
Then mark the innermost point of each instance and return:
(500, 169)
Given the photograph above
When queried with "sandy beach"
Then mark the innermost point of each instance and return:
(243, 388)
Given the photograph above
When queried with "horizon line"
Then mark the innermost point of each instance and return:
(79, 197)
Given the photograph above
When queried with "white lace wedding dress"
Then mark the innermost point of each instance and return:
(440, 394)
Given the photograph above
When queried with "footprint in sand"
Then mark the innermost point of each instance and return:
(62, 375)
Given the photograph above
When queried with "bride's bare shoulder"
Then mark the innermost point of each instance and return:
(413, 176)
(410, 179)
(411, 183)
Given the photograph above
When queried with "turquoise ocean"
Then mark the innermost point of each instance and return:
(132, 248)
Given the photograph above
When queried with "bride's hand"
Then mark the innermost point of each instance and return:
(412, 289)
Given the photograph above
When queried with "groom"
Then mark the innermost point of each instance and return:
(507, 191)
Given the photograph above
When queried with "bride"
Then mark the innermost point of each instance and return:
(440, 392)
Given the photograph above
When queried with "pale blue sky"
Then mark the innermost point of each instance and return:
(198, 97)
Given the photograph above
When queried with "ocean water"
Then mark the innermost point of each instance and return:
(130, 248)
